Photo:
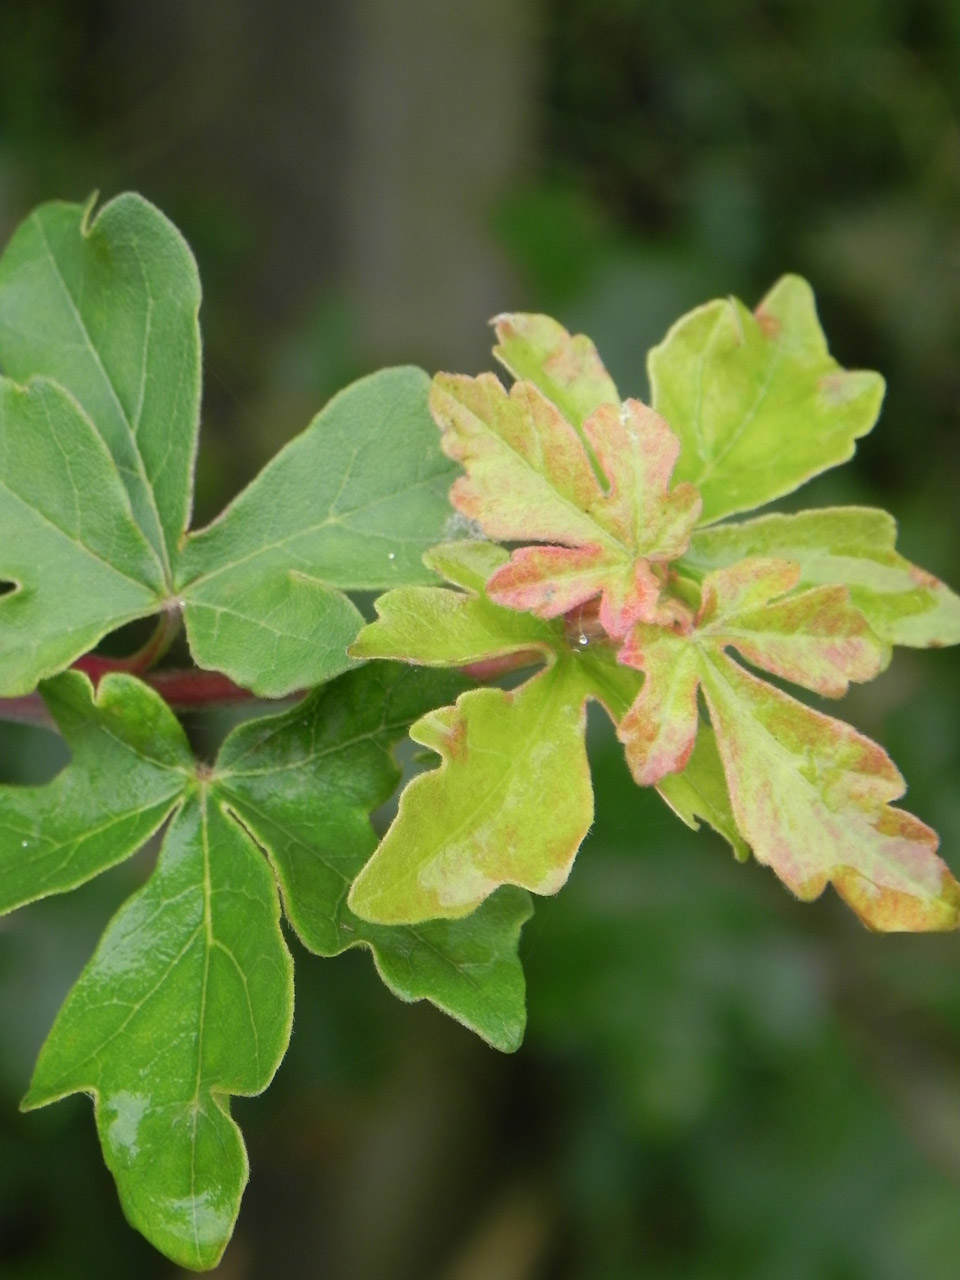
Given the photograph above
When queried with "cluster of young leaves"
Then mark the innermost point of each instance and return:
(188, 998)
(631, 587)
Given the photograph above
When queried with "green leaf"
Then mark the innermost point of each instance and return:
(98, 318)
(757, 401)
(853, 546)
(351, 503)
(68, 541)
(303, 784)
(510, 803)
(187, 1000)
(529, 478)
(130, 763)
(566, 369)
(107, 307)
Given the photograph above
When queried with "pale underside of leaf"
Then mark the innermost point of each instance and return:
(187, 1000)
(510, 803)
(851, 546)
(107, 306)
(130, 764)
(759, 404)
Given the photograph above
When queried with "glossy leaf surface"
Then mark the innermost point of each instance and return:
(187, 1001)
(130, 764)
(345, 504)
(758, 403)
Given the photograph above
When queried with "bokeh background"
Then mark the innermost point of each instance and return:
(717, 1081)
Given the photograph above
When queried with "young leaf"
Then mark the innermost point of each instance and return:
(808, 794)
(187, 1000)
(107, 307)
(350, 503)
(68, 540)
(816, 639)
(303, 784)
(812, 798)
(566, 369)
(130, 764)
(529, 478)
(851, 546)
(700, 790)
(454, 628)
(510, 803)
(759, 404)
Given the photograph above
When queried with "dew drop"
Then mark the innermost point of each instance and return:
(391, 556)
(583, 640)
(24, 843)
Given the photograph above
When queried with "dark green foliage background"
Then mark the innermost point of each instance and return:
(716, 1081)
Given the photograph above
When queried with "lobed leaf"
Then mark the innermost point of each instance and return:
(187, 1000)
(812, 798)
(530, 477)
(98, 318)
(68, 541)
(350, 503)
(453, 628)
(808, 794)
(849, 546)
(757, 401)
(510, 803)
(568, 370)
(129, 767)
(107, 306)
(303, 784)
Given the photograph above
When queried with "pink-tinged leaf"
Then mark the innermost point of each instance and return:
(568, 370)
(637, 452)
(510, 803)
(812, 797)
(550, 581)
(528, 477)
(851, 546)
(699, 791)
(815, 638)
(660, 729)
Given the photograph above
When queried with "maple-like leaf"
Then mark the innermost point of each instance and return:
(849, 546)
(511, 801)
(809, 794)
(758, 402)
(99, 410)
(530, 478)
(188, 999)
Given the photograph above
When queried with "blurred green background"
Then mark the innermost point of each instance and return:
(717, 1081)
